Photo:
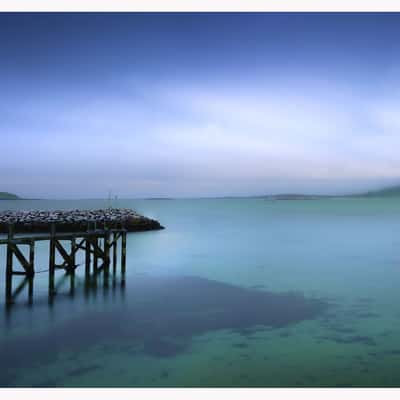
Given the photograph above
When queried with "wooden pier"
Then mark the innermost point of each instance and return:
(99, 247)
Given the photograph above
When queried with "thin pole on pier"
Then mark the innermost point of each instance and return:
(123, 256)
(52, 259)
(9, 266)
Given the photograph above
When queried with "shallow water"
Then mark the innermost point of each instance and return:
(234, 292)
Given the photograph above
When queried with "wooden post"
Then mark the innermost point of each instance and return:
(31, 258)
(32, 270)
(95, 241)
(115, 240)
(95, 256)
(9, 266)
(52, 260)
(72, 265)
(87, 256)
(106, 255)
(123, 257)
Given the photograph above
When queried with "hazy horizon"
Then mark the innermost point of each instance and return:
(111, 196)
(198, 105)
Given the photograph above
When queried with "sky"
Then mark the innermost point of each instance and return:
(198, 104)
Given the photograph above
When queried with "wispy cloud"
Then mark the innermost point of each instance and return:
(175, 139)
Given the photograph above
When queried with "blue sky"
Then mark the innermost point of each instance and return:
(198, 104)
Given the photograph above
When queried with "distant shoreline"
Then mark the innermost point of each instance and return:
(388, 192)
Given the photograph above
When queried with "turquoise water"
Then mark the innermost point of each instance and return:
(234, 292)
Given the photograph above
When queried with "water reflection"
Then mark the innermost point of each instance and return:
(159, 318)
(91, 283)
(27, 282)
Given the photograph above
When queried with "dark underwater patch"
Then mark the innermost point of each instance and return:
(240, 345)
(365, 300)
(392, 352)
(366, 340)
(164, 374)
(162, 315)
(343, 329)
(164, 347)
(257, 287)
(368, 315)
(83, 370)
(344, 385)
(47, 383)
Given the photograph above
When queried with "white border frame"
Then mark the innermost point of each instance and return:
(200, 5)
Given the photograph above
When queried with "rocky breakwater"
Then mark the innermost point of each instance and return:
(39, 221)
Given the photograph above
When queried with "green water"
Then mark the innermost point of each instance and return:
(198, 305)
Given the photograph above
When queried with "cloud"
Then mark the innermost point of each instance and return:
(187, 138)
(312, 134)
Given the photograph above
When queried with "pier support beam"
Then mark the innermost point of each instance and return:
(72, 265)
(106, 264)
(97, 242)
(123, 257)
(115, 241)
(32, 270)
(9, 265)
(87, 256)
(52, 261)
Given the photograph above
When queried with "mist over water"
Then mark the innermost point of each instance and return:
(234, 292)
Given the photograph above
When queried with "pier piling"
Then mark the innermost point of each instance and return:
(115, 249)
(9, 265)
(52, 260)
(106, 255)
(94, 242)
(72, 265)
(123, 257)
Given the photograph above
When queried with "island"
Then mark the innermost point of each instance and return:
(392, 191)
(8, 196)
(293, 196)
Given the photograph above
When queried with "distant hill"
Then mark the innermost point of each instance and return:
(8, 196)
(294, 196)
(392, 191)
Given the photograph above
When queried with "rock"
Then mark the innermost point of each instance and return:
(75, 220)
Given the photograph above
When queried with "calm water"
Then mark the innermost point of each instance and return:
(232, 293)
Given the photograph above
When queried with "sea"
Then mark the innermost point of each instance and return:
(232, 293)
